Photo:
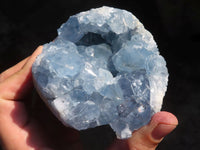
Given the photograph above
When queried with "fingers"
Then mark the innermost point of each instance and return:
(14, 86)
(28, 65)
(149, 136)
(12, 70)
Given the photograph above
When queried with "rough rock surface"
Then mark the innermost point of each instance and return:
(103, 68)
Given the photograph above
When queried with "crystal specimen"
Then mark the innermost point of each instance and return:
(103, 68)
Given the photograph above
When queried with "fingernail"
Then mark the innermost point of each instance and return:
(161, 130)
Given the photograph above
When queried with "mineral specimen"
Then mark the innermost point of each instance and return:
(103, 68)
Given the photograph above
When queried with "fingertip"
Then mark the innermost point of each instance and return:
(163, 123)
(26, 70)
(38, 50)
(164, 117)
(33, 56)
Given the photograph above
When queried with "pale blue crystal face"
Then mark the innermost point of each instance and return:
(103, 68)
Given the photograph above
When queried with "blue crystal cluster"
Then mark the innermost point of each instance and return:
(103, 68)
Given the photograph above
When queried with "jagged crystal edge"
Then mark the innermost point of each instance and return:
(103, 68)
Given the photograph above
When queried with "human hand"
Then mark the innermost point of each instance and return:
(25, 125)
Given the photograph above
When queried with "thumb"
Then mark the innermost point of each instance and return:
(149, 136)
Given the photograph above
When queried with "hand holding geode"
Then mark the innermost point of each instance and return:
(103, 68)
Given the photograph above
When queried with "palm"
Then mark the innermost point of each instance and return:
(44, 129)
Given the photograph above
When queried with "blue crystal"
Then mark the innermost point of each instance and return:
(103, 68)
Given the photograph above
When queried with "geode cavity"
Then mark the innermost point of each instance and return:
(103, 68)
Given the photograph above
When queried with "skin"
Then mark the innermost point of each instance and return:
(23, 127)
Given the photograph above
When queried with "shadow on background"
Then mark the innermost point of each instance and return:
(175, 25)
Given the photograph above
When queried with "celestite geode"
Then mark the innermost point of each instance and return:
(103, 68)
